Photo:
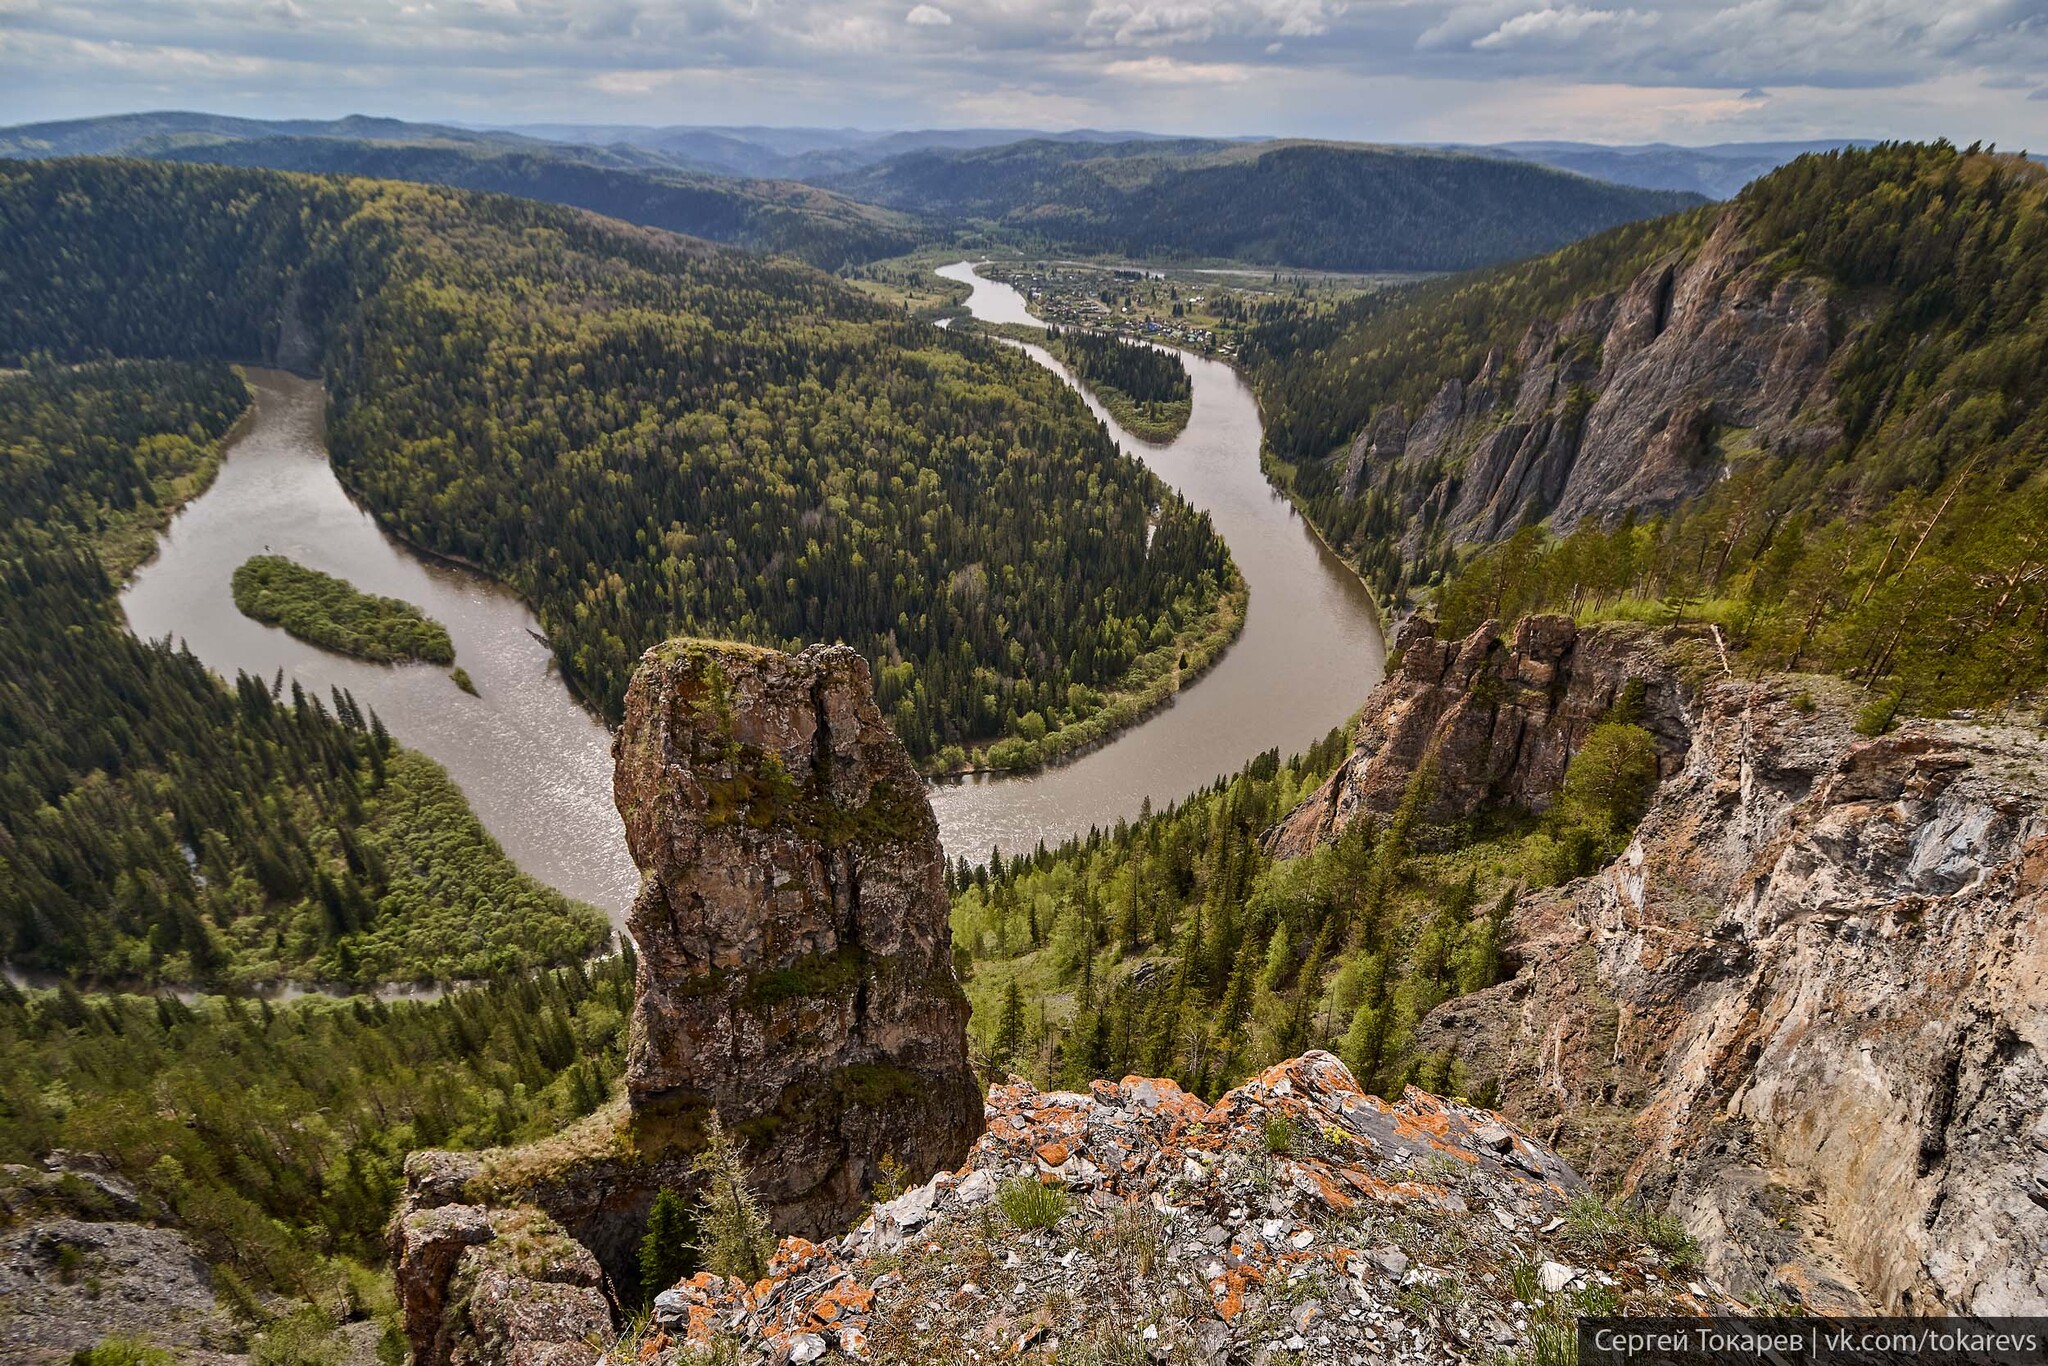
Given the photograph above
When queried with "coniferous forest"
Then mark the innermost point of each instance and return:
(158, 825)
(1146, 389)
(1906, 555)
(648, 437)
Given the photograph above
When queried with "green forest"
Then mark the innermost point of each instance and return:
(1176, 946)
(1145, 388)
(1910, 557)
(275, 1136)
(1320, 205)
(334, 614)
(647, 437)
(156, 825)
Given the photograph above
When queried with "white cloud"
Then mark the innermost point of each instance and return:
(1613, 70)
(1165, 70)
(1559, 25)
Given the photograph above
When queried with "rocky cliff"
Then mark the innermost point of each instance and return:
(795, 975)
(796, 966)
(1637, 399)
(1808, 1007)
(1806, 1011)
(1495, 719)
(1297, 1218)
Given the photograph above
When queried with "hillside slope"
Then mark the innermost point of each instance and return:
(1327, 206)
(1818, 412)
(1804, 1011)
(638, 186)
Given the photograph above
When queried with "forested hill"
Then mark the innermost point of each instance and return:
(649, 437)
(780, 216)
(1817, 417)
(1327, 206)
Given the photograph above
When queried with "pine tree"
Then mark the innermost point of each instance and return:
(1009, 1029)
(733, 1232)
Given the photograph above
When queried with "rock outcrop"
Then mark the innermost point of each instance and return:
(1808, 1007)
(1495, 721)
(796, 968)
(67, 1283)
(795, 975)
(1637, 399)
(1297, 1215)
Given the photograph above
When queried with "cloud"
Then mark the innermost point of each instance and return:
(1165, 70)
(1565, 24)
(1608, 70)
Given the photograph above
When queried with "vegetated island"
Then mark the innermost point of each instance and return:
(1145, 388)
(334, 614)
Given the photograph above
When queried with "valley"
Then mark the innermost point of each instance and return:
(579, 795)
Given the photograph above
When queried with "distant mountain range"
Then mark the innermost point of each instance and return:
(636, 185)
(1716, 171)
(800, 153)
(1318, 205)
(836, 197)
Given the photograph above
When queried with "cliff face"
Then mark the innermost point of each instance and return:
(795, 975)
(1496, 720)
(1807, 1009)
(1812, 1000)
(1636, 399)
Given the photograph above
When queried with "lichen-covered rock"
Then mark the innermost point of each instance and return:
(796, 968)
(1807, 1009)
(1495, 721)
(1297, 1215)
(67, 1283)
(496, 1287)
(795, 974)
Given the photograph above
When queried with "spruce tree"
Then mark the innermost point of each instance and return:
(1009, 1030)
(666, 1246)
(733, 1232)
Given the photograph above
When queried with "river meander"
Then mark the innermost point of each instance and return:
(537, 767)
(1309, 653)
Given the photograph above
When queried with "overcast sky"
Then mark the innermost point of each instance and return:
(1475, 70)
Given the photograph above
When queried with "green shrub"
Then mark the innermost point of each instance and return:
(1879, 714)
(1031, 1204)
(733, 1233)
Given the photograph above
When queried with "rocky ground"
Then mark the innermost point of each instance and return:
(1297, 1219)
(67, 1281)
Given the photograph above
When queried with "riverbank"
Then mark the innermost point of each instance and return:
(1151, 683)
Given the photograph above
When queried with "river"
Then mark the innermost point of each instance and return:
(537, 768)
(1310, 651)
(535, 765)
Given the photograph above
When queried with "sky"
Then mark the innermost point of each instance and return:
(1616, 71)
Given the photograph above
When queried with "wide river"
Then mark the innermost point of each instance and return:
(537, 768)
